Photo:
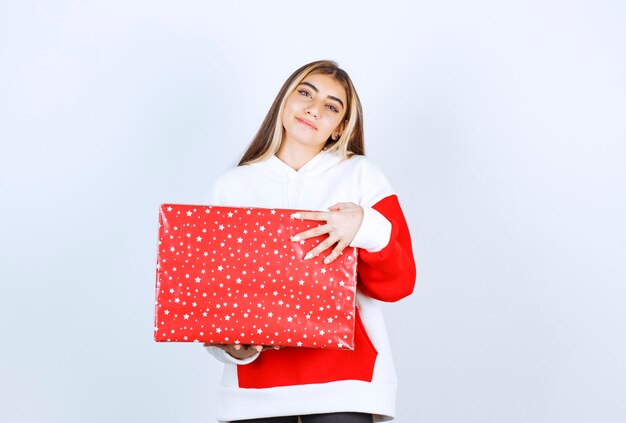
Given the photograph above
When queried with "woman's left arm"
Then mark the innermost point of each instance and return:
(388, 273)
(386, 268)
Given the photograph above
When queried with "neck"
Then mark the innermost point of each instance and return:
(296, 157)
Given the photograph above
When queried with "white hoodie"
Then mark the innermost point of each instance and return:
(293, 381)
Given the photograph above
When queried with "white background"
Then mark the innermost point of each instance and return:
(501, 126)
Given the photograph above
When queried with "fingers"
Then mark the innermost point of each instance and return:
(240, 351)
(310, 233)
(240, 347)
(312, 215)
(336, 252)
(324, 245)
(342, 223)
(226, 347)
(340, 227)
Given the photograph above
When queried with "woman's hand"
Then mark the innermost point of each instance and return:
(241, 352)
(342, 223)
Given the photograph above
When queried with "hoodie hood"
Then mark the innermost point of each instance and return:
(315, 167)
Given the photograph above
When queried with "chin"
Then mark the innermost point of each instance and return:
(306, 139)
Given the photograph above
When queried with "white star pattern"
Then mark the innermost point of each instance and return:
(245, 265)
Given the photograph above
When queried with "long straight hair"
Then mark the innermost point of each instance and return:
(268, 139)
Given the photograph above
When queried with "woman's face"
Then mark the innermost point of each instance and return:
(314, 111)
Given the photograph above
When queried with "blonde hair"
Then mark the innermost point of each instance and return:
(269, 137)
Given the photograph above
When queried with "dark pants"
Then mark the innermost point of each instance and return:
(316, 418)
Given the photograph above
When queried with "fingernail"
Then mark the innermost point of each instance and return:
(296, 215)
(308, 256)
(295, 238)
(276, 348)
(259, 348)
(237, 347)
(326, 260)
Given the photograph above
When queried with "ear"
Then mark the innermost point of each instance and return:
(341, 127)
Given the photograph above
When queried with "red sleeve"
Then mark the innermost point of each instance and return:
(389, 274)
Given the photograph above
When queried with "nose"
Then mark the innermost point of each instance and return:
(313, 110)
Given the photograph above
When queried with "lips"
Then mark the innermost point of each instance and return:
(306, 122)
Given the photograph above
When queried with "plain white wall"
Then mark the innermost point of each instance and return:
(500, 124)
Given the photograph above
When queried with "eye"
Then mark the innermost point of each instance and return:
(304, 93)
(333, 108)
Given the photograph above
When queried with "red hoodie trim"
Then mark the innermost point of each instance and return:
(295, 366)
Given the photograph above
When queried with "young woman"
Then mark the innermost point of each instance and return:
(309, 155)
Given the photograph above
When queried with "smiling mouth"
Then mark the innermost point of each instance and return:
(307, 123)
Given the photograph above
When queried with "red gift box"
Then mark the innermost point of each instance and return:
(228, 275)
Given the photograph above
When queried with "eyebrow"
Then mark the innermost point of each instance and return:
(314, 88)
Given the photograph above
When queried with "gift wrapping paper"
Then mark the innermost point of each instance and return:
(232, 275)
